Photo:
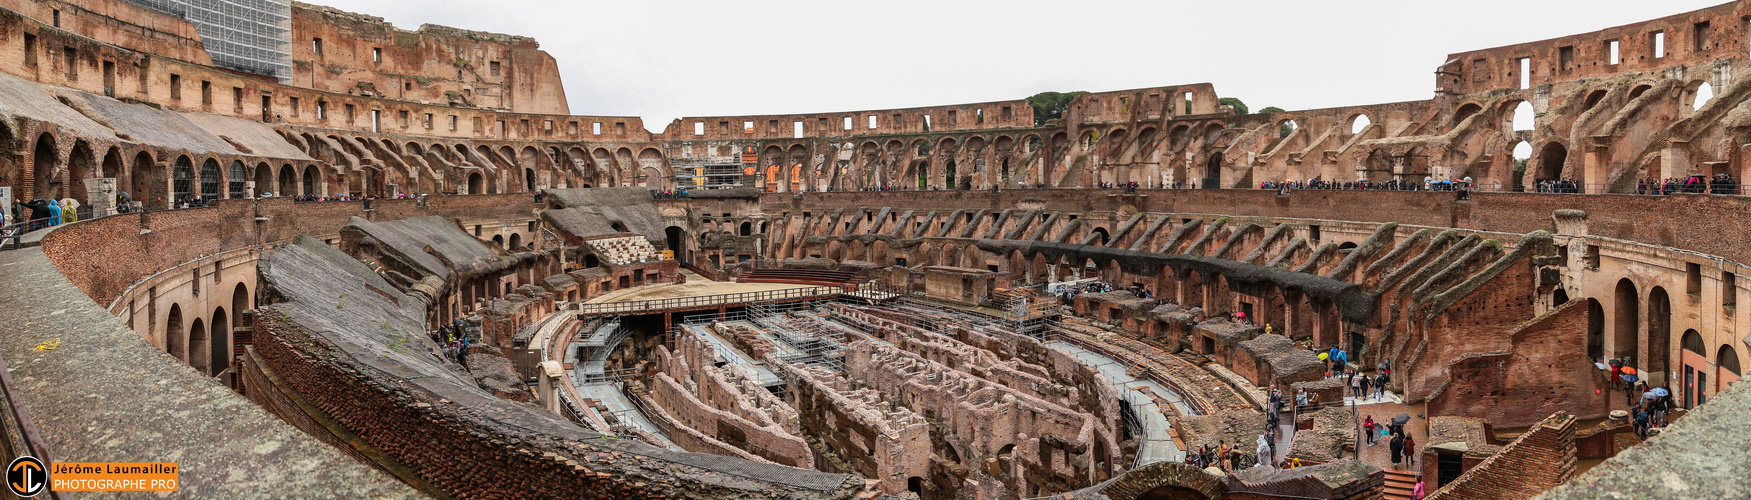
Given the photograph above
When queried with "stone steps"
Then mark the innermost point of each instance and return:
(1399, 484)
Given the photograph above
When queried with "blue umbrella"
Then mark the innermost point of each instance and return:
(1661, 392)
(1629, 378)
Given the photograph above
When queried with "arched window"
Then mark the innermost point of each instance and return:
(236, 183)
(210, 180)
(182, 179)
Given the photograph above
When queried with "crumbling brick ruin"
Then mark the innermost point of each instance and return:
(406, 261)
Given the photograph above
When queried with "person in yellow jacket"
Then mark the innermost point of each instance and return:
(69, 210)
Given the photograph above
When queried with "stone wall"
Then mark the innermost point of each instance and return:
(1539, 460)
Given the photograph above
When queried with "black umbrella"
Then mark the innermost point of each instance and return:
(1401, 419)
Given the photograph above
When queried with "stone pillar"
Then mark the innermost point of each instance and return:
(1596, 164)
(1675, 160)
(101, 196)
(249, 189)
(550, 371)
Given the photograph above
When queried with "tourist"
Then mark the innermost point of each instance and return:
(1616, 374)
(1343, 359)
(69, 210)
(124, 202)
(1417, 492)
(1264, 451)
(39, 213)
(1397, 447)
(1355, 384)
(1368, 428)
(1639, 420)
(1410, 451)
(1380, 386)
(1363, 380)
(1222, 450)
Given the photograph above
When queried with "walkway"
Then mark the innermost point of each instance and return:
(696, 285)
(1157, 444)
(728, 352)
(609, 394)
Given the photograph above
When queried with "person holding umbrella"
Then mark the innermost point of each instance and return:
(1629, 377)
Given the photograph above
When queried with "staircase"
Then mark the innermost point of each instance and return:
(1399, 484)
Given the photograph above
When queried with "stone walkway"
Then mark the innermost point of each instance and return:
(103, 394)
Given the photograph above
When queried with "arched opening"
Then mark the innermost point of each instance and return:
(148, 182)
(673, 236)
(1727, 359)
(220, 357)
(747, 229)
(1625, 309)
(210, 180)
(1359, 123)
(1593, 99)
(529, 179)
(590, 260)
(47, 160)
(112, 165)
(915, 485)
(1466, 111)
(1559, 297)
(182, 180)
(1524, 117)
(948, 176)
(1701, 97)
(1522, 154)
(617, 226)
(1694, 390)
(310, 188)
(498, 240)
(1659, 332)
(1550, 162)
(474, 182)
(1100, 236)
(199, 347)
(1638, 91)
(235, 181)
(1287, 127)
(288, 182)
(1595, 330)
(1213, 172)
(264, 180)
(516, 242)
(1171, 492)
(175, 339)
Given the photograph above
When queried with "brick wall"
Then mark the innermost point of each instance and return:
(105, 256)
(1539, 460)
(466, 454)
(1538, 373)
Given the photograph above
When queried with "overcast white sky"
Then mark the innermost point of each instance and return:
(666, 59)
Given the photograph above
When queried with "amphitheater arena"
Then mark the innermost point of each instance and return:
(938, 302)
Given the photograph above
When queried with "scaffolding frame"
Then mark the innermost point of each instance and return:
(253, 36)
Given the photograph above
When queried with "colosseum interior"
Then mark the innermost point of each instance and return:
(390, 263)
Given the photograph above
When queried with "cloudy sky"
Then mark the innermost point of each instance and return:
(664, 59)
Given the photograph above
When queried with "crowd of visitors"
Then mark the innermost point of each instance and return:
(669, 194)
(454, 342)
(1695, 184)
(1428, 184)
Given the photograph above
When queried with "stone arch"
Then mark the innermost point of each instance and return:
(1465, 111)
(1193, 284)
(1595, 330)
(199, 346)
(1100, 236)
(516, 242)
(148, 181)
(1727, 359)
(219, 348)
(46, 164)
(1593, 99)
(1625, 312)
(1358, 122)
(113, 168)
(264, 179)
(312, 183)
(235, 180)
(1551, 160)
(79, 167)
(175, 338)
(210, 179)
(650, 162)
(1165, 481)
(1659, 331)
(182, 180)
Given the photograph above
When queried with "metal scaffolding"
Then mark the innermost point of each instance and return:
(253, 36)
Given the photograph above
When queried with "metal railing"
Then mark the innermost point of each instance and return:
(21, 436)
(704, 301)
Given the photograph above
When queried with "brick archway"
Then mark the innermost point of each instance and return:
(1164, 480)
